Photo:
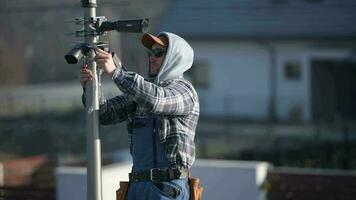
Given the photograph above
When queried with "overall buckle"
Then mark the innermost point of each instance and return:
(155, 174)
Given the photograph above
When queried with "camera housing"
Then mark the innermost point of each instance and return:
(79, 50)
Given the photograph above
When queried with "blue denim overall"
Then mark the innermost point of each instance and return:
(145, 143)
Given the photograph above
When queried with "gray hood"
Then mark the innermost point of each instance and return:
(179, 58)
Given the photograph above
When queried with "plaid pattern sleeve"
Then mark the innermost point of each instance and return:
(173, 97)
(116, 109)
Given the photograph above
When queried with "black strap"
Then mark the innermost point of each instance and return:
(154, 148)
(157, 175)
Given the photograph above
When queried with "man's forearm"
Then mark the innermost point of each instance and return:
(177, 98)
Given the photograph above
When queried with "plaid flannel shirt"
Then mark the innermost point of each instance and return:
(175, 103)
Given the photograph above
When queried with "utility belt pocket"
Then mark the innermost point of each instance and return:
(195, 188)
(121, 192)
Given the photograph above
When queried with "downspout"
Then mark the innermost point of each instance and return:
(273, 84)
(272, 101)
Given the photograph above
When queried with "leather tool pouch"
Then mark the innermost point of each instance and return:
(196, 190)
(121, 192)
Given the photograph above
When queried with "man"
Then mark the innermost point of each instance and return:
(162, 116)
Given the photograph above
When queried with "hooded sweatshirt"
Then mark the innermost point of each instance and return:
(179, 58)
(170, 97)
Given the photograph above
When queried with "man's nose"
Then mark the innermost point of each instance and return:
(152, 58)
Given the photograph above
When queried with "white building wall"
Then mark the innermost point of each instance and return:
(240, 81)
(112, 175)
(297, 94)
(239, 78)
(71, 181)
(231, 180)
(292, 94)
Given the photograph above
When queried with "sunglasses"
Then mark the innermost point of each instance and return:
(157, 52)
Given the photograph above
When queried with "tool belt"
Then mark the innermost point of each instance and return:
(121, 192)
(157, 175)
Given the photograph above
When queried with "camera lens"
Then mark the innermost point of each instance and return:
(74, 55)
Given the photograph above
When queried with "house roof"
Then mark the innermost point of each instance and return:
(262, 19)
(18, 172)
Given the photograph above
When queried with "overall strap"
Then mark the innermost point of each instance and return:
(154, 148)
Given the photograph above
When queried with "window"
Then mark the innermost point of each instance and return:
(198, 74)
(292, 70)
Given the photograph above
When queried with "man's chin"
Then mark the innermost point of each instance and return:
(153, 75)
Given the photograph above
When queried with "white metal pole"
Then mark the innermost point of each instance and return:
(1, 174)
(94, 186)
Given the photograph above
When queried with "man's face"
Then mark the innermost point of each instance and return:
(156, 60)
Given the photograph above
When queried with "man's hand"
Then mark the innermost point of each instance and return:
(85, 75)
(104, 60)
